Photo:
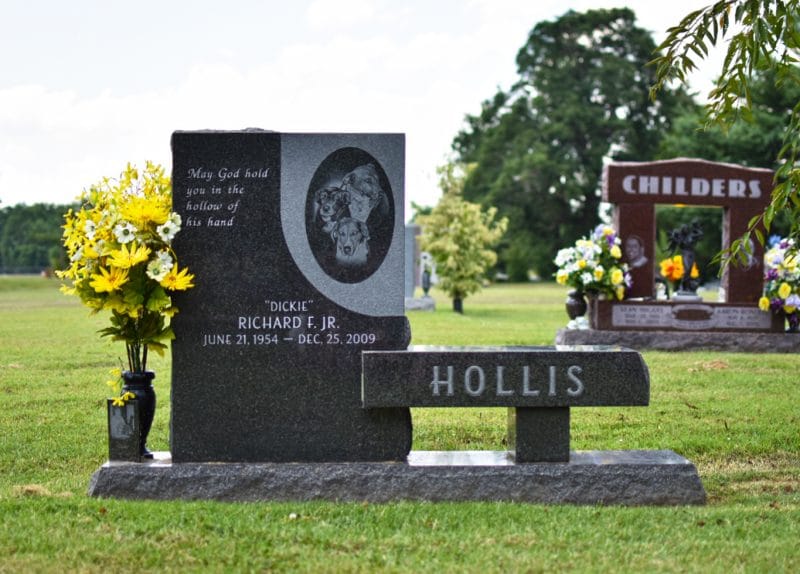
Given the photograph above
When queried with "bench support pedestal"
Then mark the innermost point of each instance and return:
(539, 434)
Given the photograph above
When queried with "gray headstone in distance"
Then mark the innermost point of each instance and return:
(296, 243)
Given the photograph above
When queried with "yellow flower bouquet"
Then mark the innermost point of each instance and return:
(121, 260)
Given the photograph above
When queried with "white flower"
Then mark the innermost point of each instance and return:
(158, 268)
(169, 228)
(564, 256)
(125, 232)
(156, 271)
(165, 258)
(586, 278)
(89, 228)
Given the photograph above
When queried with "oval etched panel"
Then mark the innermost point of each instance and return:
(349, 215)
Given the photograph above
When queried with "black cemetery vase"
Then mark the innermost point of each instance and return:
(140, 384)
(576, 304)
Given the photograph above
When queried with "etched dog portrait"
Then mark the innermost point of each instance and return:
(365, 191)
(331, 205)
(349, 215)
(351, 238)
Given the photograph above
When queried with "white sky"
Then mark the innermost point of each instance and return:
(88, 85)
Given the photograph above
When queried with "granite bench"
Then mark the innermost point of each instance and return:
(539, 385)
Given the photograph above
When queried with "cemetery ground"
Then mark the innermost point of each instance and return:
(734, 415)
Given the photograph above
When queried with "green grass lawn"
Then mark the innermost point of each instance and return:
(737, 416)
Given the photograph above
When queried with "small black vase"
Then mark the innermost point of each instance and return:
(576, 304)
(141, 385)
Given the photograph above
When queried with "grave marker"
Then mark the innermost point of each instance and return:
(296, 242)
(537, 384)
(636, 187)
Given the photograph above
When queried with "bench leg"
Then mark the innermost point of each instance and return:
(539, 434)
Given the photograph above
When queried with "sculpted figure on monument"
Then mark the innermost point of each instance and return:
(684, 238)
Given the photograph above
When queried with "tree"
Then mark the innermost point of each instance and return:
(755, 144)
(30, 238)
(764, 39)
(459, 235)
(582, 95)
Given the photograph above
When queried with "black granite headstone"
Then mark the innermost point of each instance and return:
(296, 243)
(538, 384)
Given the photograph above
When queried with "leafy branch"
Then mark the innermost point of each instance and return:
(763, 35)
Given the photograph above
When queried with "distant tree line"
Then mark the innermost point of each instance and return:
(30, 238)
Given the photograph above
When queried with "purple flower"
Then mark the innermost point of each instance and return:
(793, 300)
(776, 304)
(771, 274)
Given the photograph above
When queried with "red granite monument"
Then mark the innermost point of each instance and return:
(634, 188)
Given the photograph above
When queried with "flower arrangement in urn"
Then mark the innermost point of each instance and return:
(119, 243)
(594, 265)
(782, 282)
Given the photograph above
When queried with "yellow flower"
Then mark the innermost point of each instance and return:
(608, 230)
(106, 282)
(616, 252)
(789, 309)
(672, 268)
(175, 281)
(125, 258)
(113, 385)
(89, 251)
(620, 292)
(142, 210)
(581, 263)
(561, 277)
(784, 291)
(763, 304)
(128, 396)
(695, 272)
(617, 276)
(598, 274)
(118, 402)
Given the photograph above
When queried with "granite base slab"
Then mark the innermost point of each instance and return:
(632, 478)
(683, 340)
